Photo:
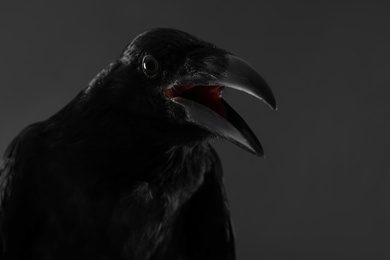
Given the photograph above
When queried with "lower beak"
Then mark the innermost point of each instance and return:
(206, 108)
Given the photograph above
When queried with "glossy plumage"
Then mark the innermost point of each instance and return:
(121, 172)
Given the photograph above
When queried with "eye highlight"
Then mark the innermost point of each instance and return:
(150, 66)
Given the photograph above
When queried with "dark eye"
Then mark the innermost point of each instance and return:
(150, 66)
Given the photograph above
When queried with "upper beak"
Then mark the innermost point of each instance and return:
(242, 76)
(228, 124)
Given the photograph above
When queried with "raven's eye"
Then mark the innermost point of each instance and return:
(150, 66)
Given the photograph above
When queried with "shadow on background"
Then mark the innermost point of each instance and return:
(323, 190)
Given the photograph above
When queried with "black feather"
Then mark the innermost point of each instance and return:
(117, 173)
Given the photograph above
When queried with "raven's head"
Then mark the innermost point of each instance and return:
(169, 74)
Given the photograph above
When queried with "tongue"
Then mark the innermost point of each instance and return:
(209, 96)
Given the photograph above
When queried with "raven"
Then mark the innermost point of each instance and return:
(126, 169)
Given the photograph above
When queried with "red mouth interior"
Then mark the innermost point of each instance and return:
(209, 96)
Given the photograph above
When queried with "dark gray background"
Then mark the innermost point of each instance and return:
(323, 191)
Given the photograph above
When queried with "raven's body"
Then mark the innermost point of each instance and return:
(83, 206)
(113, 176)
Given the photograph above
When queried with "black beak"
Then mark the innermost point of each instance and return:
(206, 108)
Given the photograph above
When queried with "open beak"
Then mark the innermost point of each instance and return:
(206, 108)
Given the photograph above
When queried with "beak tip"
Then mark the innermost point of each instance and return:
(261, 155)
(270, 100)
(273, 105)
(258, 151)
